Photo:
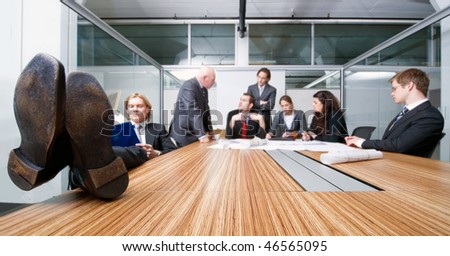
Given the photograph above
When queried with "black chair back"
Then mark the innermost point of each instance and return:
(364, 132)
(430, 153)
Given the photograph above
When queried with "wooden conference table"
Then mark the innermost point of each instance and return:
(197, 190)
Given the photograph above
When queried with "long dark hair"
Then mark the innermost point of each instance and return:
(331, 105)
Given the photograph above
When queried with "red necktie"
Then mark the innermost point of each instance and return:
(244, 129)
(245, 119)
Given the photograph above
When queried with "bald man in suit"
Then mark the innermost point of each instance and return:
(192, 119)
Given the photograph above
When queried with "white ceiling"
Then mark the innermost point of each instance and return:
(221, 9)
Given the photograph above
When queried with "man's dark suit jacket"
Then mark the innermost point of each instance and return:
(124, 139)
(416, 133)
(279, 127)
(269, 94)
(192, 118)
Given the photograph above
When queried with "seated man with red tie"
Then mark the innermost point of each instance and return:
(245, 122)
(139, 140)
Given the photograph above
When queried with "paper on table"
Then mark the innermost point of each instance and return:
(241, 143)
(256, 143)
(350, 156)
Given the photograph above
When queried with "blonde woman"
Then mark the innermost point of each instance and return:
(288, 122)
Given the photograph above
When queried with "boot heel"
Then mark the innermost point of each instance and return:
(108, 181)
(23, 173)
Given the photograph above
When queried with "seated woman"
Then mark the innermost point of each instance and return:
(243, 122)
(288, 122)
(328, 123)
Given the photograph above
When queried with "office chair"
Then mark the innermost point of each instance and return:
(430, 153)
(364, 132)
(229, 132)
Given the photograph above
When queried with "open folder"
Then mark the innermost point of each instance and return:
(350, 156)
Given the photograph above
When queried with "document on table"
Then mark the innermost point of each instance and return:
(335, 152)
(319, 146)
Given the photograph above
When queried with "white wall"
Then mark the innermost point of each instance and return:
(27, 27)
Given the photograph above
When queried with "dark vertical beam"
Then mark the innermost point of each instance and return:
(241, 28)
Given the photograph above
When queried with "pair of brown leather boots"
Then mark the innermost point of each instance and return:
(64, 123)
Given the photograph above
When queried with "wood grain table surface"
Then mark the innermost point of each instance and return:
(199, 191)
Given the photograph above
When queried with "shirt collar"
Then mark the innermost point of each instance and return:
(201, 86)
(135, 124)
(415, 104)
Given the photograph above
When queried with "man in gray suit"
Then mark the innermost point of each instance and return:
(192, 119)
(418, 128)
(264, 95)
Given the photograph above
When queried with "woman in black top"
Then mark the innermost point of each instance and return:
(328, 123)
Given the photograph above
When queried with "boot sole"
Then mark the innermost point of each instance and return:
(88, 123)
(38, 106)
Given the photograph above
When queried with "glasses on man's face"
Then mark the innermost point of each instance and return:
(393, 89)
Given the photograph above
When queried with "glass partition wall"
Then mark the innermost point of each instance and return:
(366, 86)
(120, 67)
(119, 70)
